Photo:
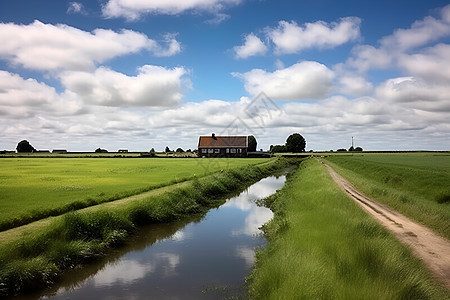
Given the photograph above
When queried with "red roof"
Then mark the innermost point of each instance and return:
(222, 142)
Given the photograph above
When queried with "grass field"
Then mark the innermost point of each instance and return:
(37, 257)
(33, 188)
(323, 246)
(417, 185)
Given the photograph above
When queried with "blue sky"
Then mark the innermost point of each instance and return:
(140, 74)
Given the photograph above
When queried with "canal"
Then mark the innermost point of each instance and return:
(204, 258)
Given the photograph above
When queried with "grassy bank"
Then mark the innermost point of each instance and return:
(36, 260)
(35, 188)
(416, 185)
(323, 246)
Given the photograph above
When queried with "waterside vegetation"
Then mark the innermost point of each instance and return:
(321, 245)
(37, 259)
(35, 188)
(416, 185)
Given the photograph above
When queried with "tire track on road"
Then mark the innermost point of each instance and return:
(432, 249)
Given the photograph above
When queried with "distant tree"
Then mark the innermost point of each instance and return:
(341, 150)
(295, 143)
(152, 152)
(359, 149)
(167, 150)
(24, 146)
(100, 150)
(252, 143)
(351, 149)
(179, 150)
(189, 150)
(278, 149)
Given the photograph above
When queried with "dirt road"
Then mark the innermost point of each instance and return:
(432, 249)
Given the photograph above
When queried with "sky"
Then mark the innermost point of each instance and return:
(136, 74)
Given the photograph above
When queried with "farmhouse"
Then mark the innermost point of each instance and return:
(219, 146)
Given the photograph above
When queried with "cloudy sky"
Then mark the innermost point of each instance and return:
(138, 74)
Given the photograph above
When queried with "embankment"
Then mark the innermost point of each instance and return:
(36, 260)
(324, 246)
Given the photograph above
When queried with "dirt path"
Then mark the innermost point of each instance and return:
(432, 249)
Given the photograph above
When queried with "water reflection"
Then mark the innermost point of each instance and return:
(184, 261)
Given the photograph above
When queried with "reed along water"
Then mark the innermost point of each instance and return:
(206, 258)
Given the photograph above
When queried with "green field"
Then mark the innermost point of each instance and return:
(417, 185)
(322, 245)
(33, 188)
(34, 256)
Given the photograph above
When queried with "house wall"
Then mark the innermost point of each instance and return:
(222, 152)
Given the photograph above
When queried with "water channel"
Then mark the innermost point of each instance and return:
(204, 258)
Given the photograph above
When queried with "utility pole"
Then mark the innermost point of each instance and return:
(353, 148)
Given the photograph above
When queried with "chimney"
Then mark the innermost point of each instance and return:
(213, 136)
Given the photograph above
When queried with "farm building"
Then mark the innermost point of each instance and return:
(219, 146)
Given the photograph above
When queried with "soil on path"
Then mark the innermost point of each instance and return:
(432, 249)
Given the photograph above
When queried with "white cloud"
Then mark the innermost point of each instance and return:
(76, 8)
(415, 93)
(46, 47)
(433, 64)
(289, 37)
(133, 10)
(21, 97)
(252, 46)
(420, 33)
(354, 85)
(304, 80)
(400, 43)
(153, 86)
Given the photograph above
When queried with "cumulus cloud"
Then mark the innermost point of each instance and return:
(432, 64)
(289, 37)
(152, 86)
(304, 80)
(252, 46)
(133, 10)
(42, 46)
(76, 8)
(401, 42)
(415, 93)
(21, 97)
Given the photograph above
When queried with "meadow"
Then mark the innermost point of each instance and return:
(322, 245)
(34, 188)
(34, 256)
(416, 184)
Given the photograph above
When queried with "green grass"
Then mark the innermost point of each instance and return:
(323, 246)
(36, 259)
(34, 188)
(416, 185)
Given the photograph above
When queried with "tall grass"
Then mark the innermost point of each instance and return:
(36, 261)
(35, 188)
(415, 185)
(323, 246)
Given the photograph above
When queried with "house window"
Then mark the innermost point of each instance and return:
(204, 150)
(216, 151)
(239, 150)
(228, 150)
(210, 150)
(233, 150)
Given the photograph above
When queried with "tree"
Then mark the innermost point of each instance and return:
(359, 149)
(252, 143)
(24, 146)
(167, 150)
(100, 150)
(152, 152)
(278, 149)
(179, 150)
(295, 143)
